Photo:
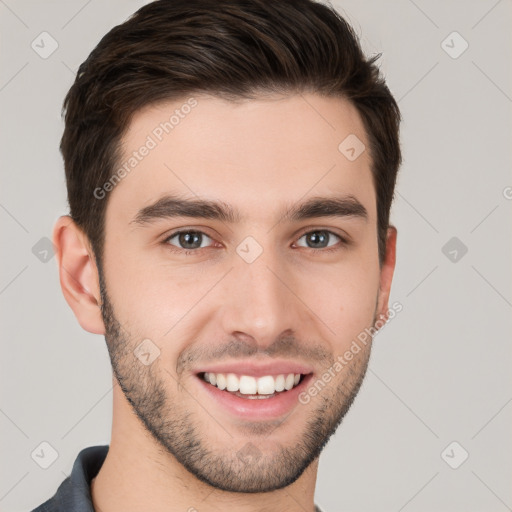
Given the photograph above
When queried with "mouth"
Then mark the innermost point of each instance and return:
(254, 397)
(249, 387)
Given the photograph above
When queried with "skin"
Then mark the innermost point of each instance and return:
(258, 156)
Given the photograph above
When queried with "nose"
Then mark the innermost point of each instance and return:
(258, 300)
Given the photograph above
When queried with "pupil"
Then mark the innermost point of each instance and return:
(315, 238)
(190, 237)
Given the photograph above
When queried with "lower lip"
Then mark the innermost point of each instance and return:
(258, 408)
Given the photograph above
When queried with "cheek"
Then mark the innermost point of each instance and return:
(153, 300)
(345, 298)
(135, 290)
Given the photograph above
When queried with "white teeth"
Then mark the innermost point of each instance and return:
(289, 381)
(232, 382)
(248, 385)
(266, 385)
(279, 383)
(221, 381)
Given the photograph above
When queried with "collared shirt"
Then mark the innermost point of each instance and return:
(74, 493)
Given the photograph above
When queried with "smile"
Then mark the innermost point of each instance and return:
(254, 398)
(248, 386)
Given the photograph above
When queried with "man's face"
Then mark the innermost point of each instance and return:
(258, 296)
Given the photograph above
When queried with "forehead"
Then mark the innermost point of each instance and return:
(255, 155)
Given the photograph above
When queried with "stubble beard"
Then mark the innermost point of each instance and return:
(184, 433)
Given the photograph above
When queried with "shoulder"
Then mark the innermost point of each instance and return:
(73, 494)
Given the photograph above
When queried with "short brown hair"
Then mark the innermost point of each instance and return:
(233, 49)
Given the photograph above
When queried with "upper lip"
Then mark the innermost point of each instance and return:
(257, 369)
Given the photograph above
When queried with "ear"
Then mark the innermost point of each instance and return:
(78, 274)
(386, 276)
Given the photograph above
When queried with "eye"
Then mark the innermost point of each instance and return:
(320, 238)
(188, 239)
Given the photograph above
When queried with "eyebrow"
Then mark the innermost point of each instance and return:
(170, 206)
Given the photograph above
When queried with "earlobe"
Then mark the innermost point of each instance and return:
(78, 274)
(386, 275)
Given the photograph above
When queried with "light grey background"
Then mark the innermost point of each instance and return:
(440, 370)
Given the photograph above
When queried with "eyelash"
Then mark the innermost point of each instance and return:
(189, 252)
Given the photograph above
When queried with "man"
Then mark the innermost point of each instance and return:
(230, 169)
